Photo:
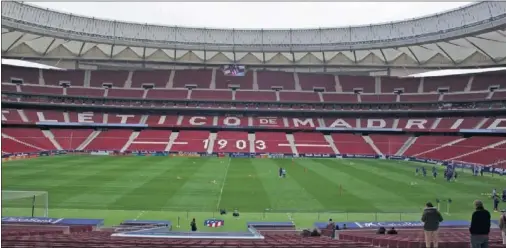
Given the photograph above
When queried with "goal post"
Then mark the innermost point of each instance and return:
(25, 203)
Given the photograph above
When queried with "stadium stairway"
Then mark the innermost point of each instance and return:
(170, 83)
(87, 78)
(173, 136)
(291, 141)
(406, 145)
(88, 140)
(251, 139)
(297, 81)
(469, 84)
(51, 138)
(189, 94)
(23, 115)
(332, 144)
(213, 79)
(131, 139)
(490, 95)
(128, 82)
(441, 146)
(255, 80)
(21, 142)
(369, 141)
(494, 145)
(212, 139)
(338, 86)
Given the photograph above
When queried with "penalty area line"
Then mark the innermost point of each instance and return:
(223, 183)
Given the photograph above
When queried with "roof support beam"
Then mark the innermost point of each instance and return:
(354, 56)
(501, 33)
(384, 57)
(81, 49)
(15, 41)
(481, 50)
(112, 49)
(447, 55)
(414, 55)
(49, 46)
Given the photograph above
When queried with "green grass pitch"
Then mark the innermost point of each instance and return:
(165, 188)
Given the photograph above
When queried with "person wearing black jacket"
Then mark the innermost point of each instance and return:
(431, 219)
(480, 226)
(193, 225)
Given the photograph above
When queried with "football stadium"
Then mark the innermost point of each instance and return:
(122, 134)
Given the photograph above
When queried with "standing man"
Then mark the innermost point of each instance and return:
(480, 226)
(193, 225)
(431, 218)
(502, 226)
(496, 203)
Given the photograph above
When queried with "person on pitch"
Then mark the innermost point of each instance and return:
(193, 225)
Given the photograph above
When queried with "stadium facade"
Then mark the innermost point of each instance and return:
(469, 36)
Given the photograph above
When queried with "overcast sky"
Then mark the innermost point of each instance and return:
(269, 15)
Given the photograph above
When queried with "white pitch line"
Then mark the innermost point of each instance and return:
(139, 215)
(223, 184)
(290, 217)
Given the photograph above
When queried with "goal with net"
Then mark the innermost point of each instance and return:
(25, 203)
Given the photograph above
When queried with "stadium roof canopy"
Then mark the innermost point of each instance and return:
(470, 36)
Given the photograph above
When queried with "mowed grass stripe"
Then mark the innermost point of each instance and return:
(84, 171)
(243, 188)
(93, 184)
(396, 193)
(464, 175)
(19, 170)
(440, 184)
(349, 193)
(285, 194)
(155, 191)
(321, 186)
(463, 192)
(201, 190)
(130, 175)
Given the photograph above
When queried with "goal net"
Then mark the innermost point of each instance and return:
(25, 203)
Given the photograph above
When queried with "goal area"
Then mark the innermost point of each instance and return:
(25, 203)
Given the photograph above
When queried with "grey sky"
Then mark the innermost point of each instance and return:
(248, 15)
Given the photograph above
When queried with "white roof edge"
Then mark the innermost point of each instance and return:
(451, 72)
(22, 63)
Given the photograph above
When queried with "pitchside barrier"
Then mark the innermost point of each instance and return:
(184, 215)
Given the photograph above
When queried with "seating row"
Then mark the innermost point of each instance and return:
(477, 150)
(259, 80)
